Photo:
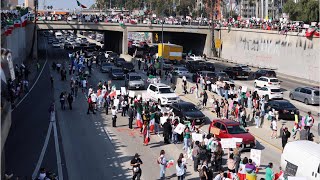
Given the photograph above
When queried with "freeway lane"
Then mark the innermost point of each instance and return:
(30, 122)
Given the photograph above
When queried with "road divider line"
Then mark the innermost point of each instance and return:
(56, 144)
(43, 151)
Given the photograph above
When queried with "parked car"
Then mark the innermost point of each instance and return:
(232, 129)
(270, 93)
(167, 65)
(118, 62)
(127, 67)
(194, 66)
(285, 109)
(265, 73)
(162, 93)
(188, 112)
(266, 81)
(244, 67)
(67, 45)
(237, 73)
(134, 81)
(105, 67)
(209, 66)
(182, 71)
(223, 76)
(113, 56)
(116, 73)
(308, 95)
(55, 44)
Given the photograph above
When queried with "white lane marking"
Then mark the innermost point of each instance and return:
(43, 151)
(33, 83)
(56, 144)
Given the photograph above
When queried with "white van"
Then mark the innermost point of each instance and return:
(58, 35)
(301, 159)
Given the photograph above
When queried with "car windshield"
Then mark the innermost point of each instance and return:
(316, 93)
(211, 75)
(236, 129)
(117, 70)
(275, 90)
(189, 108)
(287, 105)
(165, 90)
(135, 78)
(274, 80)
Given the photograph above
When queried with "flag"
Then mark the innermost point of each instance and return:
(23, 17)
(121, 24)
(81, 5)
(139, 120)
(17, 23)
(152, 124)
(113, 94)
(170, 163)
(9, 28)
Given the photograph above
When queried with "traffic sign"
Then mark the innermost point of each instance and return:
(217, 43)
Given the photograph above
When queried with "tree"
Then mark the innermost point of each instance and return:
(305, 10)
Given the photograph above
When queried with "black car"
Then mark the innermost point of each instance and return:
(187, 112)
(237, 72)
(116, 73)
(222, 76)
(119, 61)
(208, 76)
(127, 67)
(285, 109)
(68, 46)
(194, 66)
(113, 56)
(209, 66)
(264, 72)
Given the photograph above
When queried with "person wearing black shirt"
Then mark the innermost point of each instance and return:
(285, 136)
(135, 163)
(167, 130)
(131, 115)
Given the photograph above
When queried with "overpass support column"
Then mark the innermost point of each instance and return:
(125, 41)
(208, 48)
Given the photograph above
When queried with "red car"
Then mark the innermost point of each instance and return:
(232, 129)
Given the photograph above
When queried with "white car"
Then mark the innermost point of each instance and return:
(193, 57)
(182, 71)
(267, 82)
(163, 94)
(56, 44)
(270, 92)
(106, 54)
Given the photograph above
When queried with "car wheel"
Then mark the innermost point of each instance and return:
(291, 96)
(306, 101)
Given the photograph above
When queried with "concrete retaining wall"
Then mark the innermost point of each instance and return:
(19, 42)
(289, 54)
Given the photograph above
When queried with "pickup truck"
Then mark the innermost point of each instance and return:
(237, 73)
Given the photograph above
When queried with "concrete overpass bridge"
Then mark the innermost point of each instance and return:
(198, 38)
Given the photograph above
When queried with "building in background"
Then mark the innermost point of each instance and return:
(29, 3)
(263, 9)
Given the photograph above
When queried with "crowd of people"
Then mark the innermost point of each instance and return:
(252, 23)
(7, 16)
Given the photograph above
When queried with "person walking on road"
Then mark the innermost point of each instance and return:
(167, 130)
(163, 164)
(285, 136)
(205, 98)
(90, 105)
(114, 116)
(195, 155)
(269, 172)
(181, 167)
(130, 114)
(70, 100)
(273, 127)
(62, 100)
(136, 162)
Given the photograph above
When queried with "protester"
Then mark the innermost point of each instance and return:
(163, 163)
(269, 172)
(195, 155)
(285, 136)
(181, 167)
(136, 163)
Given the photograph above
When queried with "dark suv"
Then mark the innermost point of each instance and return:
(187, 112)
(264, 72)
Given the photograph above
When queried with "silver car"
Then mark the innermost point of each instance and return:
(134, 81)
(308, 95)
